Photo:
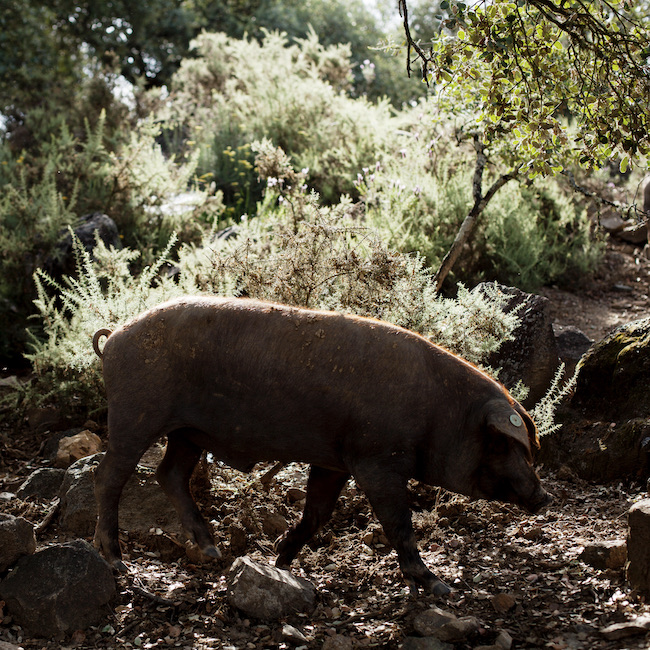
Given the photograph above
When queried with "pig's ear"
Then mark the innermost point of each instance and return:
(503, 418)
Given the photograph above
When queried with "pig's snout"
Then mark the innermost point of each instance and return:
(541, 499)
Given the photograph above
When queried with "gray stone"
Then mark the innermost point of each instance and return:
(89, 225)
(60, 589)
(78, 505)
(16, 539)
(638, 546)
(266, 592)
(293, 635)
(532, 356)
(610, 554)
(504, 640)
(445, 626)
(43, 483)
(427, 622)
(143, 506)
(572, 345)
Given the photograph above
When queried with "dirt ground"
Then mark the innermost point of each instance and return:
(617, 293)
(514, 572)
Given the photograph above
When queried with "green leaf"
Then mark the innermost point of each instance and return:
(625, 161)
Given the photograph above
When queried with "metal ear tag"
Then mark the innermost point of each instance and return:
(516, 420)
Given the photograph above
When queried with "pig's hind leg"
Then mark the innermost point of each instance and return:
(323, 489)
(110, 478)
(388, 496)
(174, 474)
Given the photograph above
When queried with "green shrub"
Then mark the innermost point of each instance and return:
(48, 188)
(237, 91)
(419, 195)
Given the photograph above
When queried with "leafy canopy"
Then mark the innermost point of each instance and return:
(544, 83)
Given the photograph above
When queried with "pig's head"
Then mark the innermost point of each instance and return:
(504, 470)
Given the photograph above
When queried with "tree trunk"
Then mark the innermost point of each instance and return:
(480, 203)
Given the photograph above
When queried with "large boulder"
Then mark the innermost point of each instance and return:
(606, 425)
(532, 357)
(60, 589)
(615, 374)
(145, 511)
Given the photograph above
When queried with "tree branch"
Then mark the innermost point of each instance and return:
(480, 203)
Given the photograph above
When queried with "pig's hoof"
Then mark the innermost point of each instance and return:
(212, 551)
(119, 566)
(439, 588)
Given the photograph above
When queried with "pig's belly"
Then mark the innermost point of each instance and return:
(242, 439)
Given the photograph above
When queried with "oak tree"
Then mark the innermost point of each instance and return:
(539, 86)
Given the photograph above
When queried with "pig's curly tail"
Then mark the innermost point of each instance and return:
(98, 335)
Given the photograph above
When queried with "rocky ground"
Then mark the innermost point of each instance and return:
(525, 575)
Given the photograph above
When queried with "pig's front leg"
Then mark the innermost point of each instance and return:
(388, 497)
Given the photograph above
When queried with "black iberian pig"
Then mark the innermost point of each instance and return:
(252, 381)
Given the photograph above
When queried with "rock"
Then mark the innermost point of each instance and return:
(16, 539)
(444, 625)
(503, 603)
(143, 507)
(606, 422)
(70, 583)
(503, 640)
(50, 447)
(273, 523)
(638, 546)
(572, 345)
(565, 473)
(72, 448)
(238, 539)
(41, 420)
(640, 625)
(424, 643)
(43, 483)
(293, 635)
(267, 592)
(63, 261)
(294, 495)
(615, 373)
(78, 505)
(605, 555)
(532, 356)
(612, 223)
